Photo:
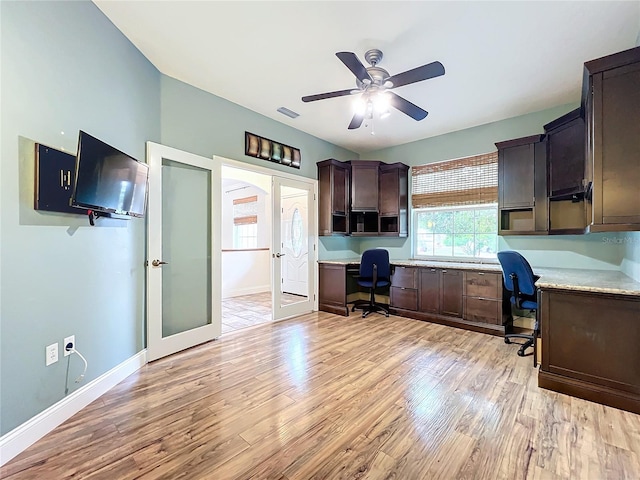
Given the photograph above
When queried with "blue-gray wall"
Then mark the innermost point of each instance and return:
(65, 67)
(198, 122)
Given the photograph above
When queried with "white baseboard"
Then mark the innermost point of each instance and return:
(238, 292)
(21, 437)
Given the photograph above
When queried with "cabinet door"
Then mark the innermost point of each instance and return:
(451, 293)
(389, 192)
(404, 298)
(364, 186)
(332, 288)
(516, 176)
(483, 284)
(340, 193)
(333, 200)
(429, 300)
(566, 146)
(405, 277)
(617, 146)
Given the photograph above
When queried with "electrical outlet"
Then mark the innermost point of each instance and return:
(51, 354)
(68, 340)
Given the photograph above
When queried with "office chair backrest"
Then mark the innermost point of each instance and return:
(378, 256)
(513, 262)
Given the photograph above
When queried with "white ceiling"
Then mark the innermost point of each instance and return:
(502, 59)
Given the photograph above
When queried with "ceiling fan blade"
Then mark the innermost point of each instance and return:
(352, 63)
(356, 121)
(322, 96)
(405, 106)
(425, 72)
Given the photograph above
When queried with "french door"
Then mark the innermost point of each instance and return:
(183, 251)
(293, 247)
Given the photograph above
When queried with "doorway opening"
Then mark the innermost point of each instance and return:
(268, 246)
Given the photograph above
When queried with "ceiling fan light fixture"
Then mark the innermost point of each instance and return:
(381, 103)
(374, 84)
(360, 106)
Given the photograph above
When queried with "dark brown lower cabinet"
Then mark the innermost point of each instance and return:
(332, 288)
(451, 293)
(429, 290)
(441, 291)
(590, 347)
(459, 298)
(404, 288)
(483, 299)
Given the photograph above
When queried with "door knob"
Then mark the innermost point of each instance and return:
(278, 255)
(157, 263)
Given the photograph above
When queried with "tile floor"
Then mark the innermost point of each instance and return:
(249, 310)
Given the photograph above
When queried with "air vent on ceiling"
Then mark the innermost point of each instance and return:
(288, 113)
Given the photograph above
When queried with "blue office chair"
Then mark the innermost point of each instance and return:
(519, 280)
(375, 272)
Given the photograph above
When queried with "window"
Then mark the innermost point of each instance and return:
(470, 231)
(455, 211)
(245, 222)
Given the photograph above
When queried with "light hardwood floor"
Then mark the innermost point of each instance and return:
(328, 397)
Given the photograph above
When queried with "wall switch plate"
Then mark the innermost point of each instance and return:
(67, 340)
(51, 354)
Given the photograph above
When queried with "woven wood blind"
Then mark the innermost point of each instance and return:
(464, 181)
(245, 210)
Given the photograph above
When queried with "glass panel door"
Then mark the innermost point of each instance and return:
(183, 302)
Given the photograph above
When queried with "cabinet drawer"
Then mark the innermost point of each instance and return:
(406, 298)
(485, 285)
(405, 277)
(483, 310)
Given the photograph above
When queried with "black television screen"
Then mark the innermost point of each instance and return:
(108, 180)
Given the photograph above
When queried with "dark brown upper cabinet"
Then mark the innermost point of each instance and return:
(393, 199)
(334, 180)
(566, 155)
(611, 105)
(522, 186)
(566, 137)
(363, 198)
(364, 183)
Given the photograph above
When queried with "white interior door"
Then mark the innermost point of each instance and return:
(293, 248)
(183, 271)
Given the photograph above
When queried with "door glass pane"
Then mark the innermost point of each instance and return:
(294, 283)
(186, 247)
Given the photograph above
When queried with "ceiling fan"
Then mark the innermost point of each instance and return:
(375, 83)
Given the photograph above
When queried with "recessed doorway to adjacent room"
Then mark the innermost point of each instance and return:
(262, 282)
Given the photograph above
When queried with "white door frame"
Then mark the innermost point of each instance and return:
(313, 216)
(157, 345)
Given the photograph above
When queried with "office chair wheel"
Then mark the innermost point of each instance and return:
(520, 352)
(507, 341)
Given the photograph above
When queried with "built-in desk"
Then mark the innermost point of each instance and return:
(590, 329)
(464, 295)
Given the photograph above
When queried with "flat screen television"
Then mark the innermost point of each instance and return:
(108, 181)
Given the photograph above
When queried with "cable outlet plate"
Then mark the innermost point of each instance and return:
(68, 340)
(51, 354)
